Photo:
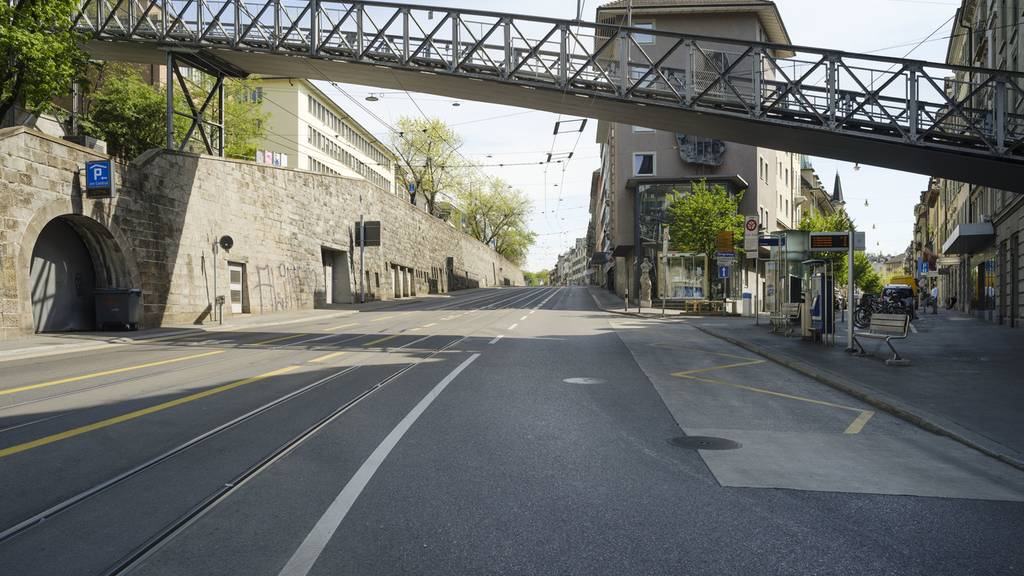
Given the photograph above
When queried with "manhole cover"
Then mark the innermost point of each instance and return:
(583, 381)
(704, 443)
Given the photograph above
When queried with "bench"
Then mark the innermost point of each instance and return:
(786, 319)
(885, 327)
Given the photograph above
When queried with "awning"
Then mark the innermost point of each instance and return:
(969, 238)
(622, 250)
(600, 258)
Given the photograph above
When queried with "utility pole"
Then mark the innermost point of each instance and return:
(362, 256)
(849, 294)
(664, 255)
(214, 307)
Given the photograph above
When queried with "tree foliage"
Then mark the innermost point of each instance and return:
(428, 151)
(696, 218)
(125, 111)
(244, 119)
(130, 114)
(496, 214)
(542, 278)
(865, 276)
(39, 55)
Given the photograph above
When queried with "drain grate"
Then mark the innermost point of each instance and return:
(704, 443)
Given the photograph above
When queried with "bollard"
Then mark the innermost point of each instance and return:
(627, 300)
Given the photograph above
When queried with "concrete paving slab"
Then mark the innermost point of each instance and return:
(910, 465)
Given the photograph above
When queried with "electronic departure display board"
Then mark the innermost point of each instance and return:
(830, 241)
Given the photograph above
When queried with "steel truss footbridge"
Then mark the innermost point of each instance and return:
(936, 119)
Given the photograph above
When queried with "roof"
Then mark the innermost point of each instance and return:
(767, 12)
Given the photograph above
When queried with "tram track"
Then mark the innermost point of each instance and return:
(71, 502)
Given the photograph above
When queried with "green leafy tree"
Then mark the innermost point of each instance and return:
(244, 119)
(496, 214)
(126, 112)
(428, 150)
(130, 114)
(39, 55)
(865, 276)
(697, 218)
(838, 221)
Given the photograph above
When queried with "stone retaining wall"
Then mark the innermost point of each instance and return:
(158, 231)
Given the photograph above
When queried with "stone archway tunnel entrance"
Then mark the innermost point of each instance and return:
(73, 256)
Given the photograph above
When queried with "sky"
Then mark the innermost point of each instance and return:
(881, 201)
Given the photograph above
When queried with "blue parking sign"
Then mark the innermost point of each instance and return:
(98, 176)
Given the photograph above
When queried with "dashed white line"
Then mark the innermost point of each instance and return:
(913, 328)
(496, 338)
(513, 327)
(523, 318)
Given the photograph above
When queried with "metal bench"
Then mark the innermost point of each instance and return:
(787, 319)
(886, 327)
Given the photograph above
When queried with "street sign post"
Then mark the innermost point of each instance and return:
(750, 233)
(723, 271)
(664, 252)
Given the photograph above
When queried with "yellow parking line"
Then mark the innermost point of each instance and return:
(278, 339)
(858, 424)
(722, 367)
(378, 341)
(327, 357)
(136, 414)
(339, 326)
(855, 427)
(106, 373)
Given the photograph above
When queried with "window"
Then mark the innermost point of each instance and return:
(644, 38)
(643, 164)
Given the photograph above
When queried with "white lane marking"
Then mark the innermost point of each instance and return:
(513, 327)
(913, 328)
(309, 551)
(532, 311)
(523, 318)
(429, 325)
(496, 338)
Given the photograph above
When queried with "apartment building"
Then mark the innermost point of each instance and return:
(972, 234)
(642, 165)
(313, 133)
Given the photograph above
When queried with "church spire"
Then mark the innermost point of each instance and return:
(837, 191)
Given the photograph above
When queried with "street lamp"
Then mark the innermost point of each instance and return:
(372, 97)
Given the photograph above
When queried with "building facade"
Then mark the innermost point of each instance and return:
(316, 134)
(973, 235)
(641, 166)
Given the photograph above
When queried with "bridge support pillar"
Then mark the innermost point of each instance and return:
(206, 118)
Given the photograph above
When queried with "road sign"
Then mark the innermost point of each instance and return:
(723, 271)
(99, 180)
(723, 241)
(725, 258)
(771, 241)
(750, 231)
(948, 260)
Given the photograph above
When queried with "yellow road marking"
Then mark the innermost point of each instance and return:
(669, 346)
(136, 414)
(854, 428)
(858, 424)
(339, 326)
(378, 341)
(722, 367)
(327, 357)
(381, 318)
(106, 373)
(278, 339)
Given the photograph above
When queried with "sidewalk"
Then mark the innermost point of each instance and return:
(611, 302)
(964, 380)
(39, 345)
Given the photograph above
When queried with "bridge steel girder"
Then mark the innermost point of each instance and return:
(949, 121)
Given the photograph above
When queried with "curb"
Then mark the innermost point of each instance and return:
(894, 407)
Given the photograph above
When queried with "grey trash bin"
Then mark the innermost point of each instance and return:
(118, 308)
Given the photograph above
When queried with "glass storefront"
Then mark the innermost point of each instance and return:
(686, 276)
